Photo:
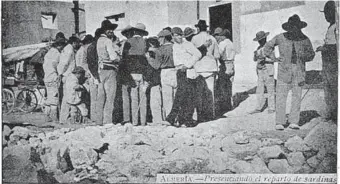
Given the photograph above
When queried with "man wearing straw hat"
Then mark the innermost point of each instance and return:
(329, 52)
(136, 64)
(265, 74)
(295, 50)
(108, 59)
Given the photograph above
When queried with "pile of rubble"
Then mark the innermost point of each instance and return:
(115, 153)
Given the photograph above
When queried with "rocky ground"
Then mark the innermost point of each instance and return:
(237, 143)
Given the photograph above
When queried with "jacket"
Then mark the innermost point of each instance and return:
(304, 53)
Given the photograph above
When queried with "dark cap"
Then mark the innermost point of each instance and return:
(164, 33)
(78, 69)
(177, 30)
(188, 32)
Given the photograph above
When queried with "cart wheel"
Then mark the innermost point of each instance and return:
(8, 101)
(27, 101)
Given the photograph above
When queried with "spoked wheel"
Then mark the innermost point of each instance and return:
(27, 101)
(8, 101)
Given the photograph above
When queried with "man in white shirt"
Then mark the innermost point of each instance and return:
(51, 78)
(65, 67)
(81, 59)
(185, 56)
(67, 58)
(227, 71)
(108, 59)
(329, 52)
(207, 67)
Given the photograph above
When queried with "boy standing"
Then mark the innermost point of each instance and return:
(265, 73)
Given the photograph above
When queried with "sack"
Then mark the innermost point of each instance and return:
(206, 64)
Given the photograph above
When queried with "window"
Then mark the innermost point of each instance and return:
(49, 20)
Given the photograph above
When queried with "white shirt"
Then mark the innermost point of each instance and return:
(330, 35)
(51, 61)
(226, 49)
(201, 38)
(67, 61)
(106, 52)
(186, 54)
(81, 58)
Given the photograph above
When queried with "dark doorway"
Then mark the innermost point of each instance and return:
(220, 16)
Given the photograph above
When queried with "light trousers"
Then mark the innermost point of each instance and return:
(156, 104)
(282, 90)
(138, 99)
(169, 87)
(265, 80)
(106, 95)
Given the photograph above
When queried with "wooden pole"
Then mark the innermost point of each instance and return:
(198, 9)
(76, 15)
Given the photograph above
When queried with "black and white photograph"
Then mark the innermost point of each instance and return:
(166, 91)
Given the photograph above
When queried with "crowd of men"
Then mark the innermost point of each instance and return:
(187, 74)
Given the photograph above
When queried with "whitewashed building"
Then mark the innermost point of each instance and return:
(243, 18)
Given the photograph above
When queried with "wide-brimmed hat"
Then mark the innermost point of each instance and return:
(201, 23)
(141, 27)
(87, 39)
(329, 6)
(60, 40)
(60, 35)
(164, 33)
(177, 30)
(294, 23)
(107, 25)
(126, 29)
(260, 35)
(188, 32)
(78, 69)
(221, 32)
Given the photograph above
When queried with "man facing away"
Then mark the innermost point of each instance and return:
(51, 78)
(227, 70)
(136, 64)
(154, 80)
(108, 59)
(92, 62)
(207, 67)
(295, 50)
(330, 62)
(265, 74)
(65, 67)
(124, 76)
(67, 58)
(81, 55)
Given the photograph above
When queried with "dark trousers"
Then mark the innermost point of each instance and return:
(184, 102)
(223, 91)
(203, 100)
